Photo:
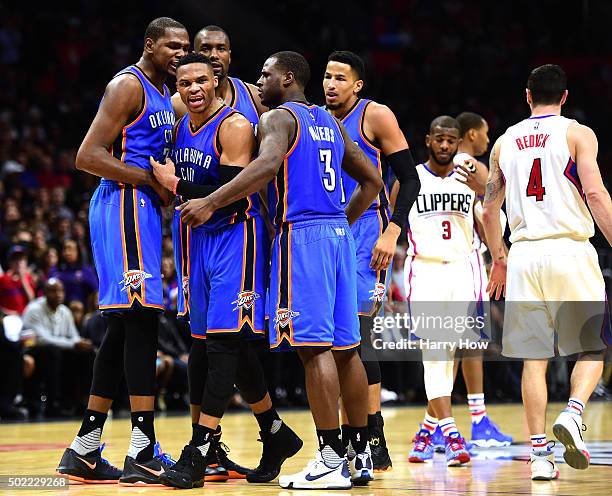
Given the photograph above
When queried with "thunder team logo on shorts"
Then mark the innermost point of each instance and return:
(245, 300)
(284, 316)
(378, 293)
(133, 279)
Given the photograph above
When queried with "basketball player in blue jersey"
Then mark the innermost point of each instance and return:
(214, 43)
(229, 269)
(374, 128)
(313, 291)
(134, 121)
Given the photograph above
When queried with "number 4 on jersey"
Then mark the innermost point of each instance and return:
(534, 186)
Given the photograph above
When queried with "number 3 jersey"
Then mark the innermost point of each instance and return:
(307, 185)
(544, 197)
(441, 221)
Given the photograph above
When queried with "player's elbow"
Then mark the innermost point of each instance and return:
(489, 214)
(83, 159)
(597, 195)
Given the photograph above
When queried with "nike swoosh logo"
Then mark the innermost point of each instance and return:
(309, 477)
(90, 465)
(156, 473)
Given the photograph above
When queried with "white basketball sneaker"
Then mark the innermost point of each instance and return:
(568, 429)
(317, 475)
(543, 465)
(360, 465)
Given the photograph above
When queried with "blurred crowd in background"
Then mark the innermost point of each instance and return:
(423, 59)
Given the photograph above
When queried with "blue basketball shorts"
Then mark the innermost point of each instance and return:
(181, 241)
(126, 239)
(227, 279)
(371, 284)
(313, 290)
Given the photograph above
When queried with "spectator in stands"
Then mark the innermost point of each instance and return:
(17, 284)
(79, 279)
(63, 358)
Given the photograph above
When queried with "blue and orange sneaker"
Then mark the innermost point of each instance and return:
(422, 450)
(437, 439)
(456, 451)
(486, 434)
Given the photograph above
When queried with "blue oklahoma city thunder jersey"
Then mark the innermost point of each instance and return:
(353, 122)
(307, 185)
(196, 155)
(243, 102)
(150, 134)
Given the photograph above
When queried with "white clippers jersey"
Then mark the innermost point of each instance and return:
(441, 221)
(544, 197)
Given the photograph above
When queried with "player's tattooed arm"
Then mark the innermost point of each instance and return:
(358, 166)
(275, 132)
(494, 199)
(123, 100)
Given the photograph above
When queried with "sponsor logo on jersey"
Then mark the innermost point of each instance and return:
(245, 300)
(133, 279)
(284, 316)
(378, 293)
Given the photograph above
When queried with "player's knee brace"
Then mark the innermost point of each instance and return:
(108, 365)
(250, 376)
(438, 375)
(197, 370)
(141, 327)
(367, 351)
(223, 357)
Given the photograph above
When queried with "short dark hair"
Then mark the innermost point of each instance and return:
(547, 84)
(214, 27)
(469, 120)
(349, 58)
(296, 63)
(157, 27)
(445, 121)
(194, 58)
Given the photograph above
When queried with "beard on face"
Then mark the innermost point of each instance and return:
(443, 162)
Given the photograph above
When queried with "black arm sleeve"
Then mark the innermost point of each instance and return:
(404, 168)
(190, 190)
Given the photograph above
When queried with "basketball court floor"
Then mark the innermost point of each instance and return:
(34, 449)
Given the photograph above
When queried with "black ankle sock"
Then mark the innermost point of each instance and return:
(266, 420)
(373, 420)
(331, 438)
(359, 438)
(92, 420)
(345, 435)
(143, 421)
(201, 435)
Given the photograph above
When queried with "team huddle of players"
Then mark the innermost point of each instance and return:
(283, 228)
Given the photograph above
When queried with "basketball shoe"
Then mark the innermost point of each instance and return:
(90, 468)
(568, 429)
(456, 451)
(190, 469)
(361, 465)
(147, 473)
(278, 445)
(423, 448)
(486, 434)
(319, 475)
(543, 465)
(437, 439)
(380, 454)
(222, 451)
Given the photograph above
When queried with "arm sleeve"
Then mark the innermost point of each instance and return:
(191, 190)
(404, 168)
